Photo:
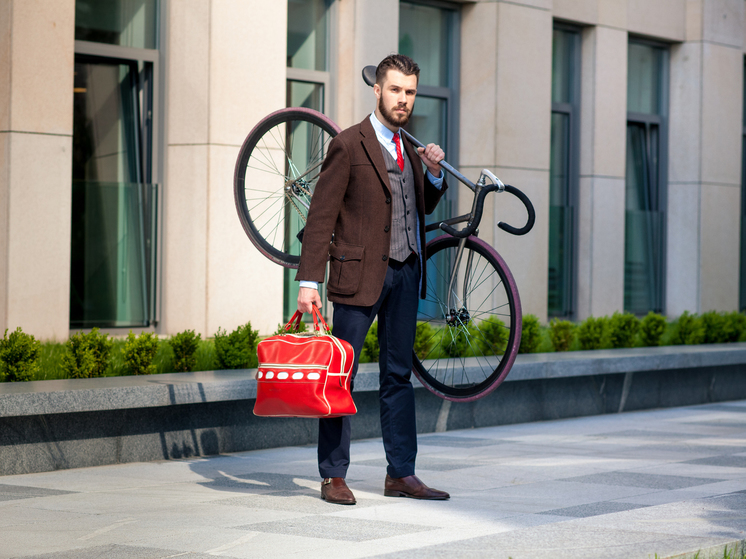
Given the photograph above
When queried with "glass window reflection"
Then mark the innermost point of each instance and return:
(127, 23)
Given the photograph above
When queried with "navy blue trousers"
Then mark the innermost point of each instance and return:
(396, 309)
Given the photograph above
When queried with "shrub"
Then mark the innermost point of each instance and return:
(370, 351)
(623, 328)
(185, 345)
(459, 341)
(735, 325)
(139, 353)
(714, 324)
(591, 332)
(236, 350)
(494, 336)
(87, 355)
(423, 339)
(652, 328)
(562, 333)
(689, 330)
(19, 356)
(302, 327)
(530, 334)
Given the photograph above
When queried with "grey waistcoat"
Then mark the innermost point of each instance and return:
(403, 207)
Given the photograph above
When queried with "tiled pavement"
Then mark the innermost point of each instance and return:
(666, 482)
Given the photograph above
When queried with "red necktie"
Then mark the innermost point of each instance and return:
(399, 157)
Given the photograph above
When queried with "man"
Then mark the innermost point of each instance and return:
(367, 219)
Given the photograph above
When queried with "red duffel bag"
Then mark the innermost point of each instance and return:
(304, 374)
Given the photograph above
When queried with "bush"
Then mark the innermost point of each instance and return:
(423, 339)
(19, 356)
(494, 336)
(139, 353)
(714, 324)
(688, 330)
(459, 341)
(530, 334)
(302, 327)
(623, 328)
(591, 332)
(237, 350)
(370, 351)
(562, 333)
(87, 355)
(652, 328)
(185, 345)
(735, 325)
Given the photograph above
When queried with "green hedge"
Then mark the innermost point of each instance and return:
(22, 357)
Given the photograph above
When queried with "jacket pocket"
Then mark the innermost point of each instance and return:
(345, 268)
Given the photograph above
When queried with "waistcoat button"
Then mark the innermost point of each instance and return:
(384, 257)
(386, 229)
(388, 200)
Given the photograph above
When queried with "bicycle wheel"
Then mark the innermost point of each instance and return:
(275, 176)
(471, 330)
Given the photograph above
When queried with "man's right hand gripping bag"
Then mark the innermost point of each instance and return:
(304, 375)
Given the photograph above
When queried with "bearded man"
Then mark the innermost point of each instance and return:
(367, 218)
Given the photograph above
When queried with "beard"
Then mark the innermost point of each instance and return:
(393, 118)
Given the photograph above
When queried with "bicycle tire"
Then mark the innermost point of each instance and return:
(275, 175)
(472, 348)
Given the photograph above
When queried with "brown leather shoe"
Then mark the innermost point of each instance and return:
(335, 490)
(411, 486)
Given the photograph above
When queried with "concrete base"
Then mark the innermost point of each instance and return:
(53, 425)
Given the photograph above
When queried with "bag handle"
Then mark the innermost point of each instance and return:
(296, 318)
(317, 329)
(316, 318)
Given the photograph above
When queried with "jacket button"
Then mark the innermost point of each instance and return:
(386, 229)
(342, 257)
(384, 257)
(388, 200)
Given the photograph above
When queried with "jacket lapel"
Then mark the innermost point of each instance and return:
(373, 148)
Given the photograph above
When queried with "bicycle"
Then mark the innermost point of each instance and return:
(471, 328)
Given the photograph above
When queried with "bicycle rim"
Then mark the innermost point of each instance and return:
(275, 176)
(469, 338)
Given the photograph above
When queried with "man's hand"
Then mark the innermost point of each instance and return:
(431, 155)
(307, 299)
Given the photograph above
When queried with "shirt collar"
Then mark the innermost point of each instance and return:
(382, 131)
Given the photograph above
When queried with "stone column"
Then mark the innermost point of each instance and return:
(506, 55)
(36, 122)
(368, 32)
(225, 70)
(603, 117)
(704, 190)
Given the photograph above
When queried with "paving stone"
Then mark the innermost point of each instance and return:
(603, 486)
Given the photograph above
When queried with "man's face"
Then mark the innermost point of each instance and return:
(396, 98)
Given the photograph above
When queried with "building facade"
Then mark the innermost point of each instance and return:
(121, 122)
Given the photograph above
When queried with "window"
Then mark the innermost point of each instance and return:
(428, 33)
(644, 259)
(114, 206)
(563, 169)
(308, 81)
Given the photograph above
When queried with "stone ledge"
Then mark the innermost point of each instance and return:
(130, 392)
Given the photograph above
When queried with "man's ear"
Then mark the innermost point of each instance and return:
(377, 90)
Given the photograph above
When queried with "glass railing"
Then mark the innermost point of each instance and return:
(643, 261)
(559, 300)
(113, 254)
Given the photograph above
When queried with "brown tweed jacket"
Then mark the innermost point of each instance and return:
(349, 221)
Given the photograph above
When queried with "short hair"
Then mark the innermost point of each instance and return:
(399, 62)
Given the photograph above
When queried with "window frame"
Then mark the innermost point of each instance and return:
(661, 121)
(572, 109)
(156, 128)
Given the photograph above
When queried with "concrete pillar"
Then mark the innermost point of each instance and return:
(36, 55)
(506, 54)
(226, 70)
(368, 32)
(704, 190)
(600, 284)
